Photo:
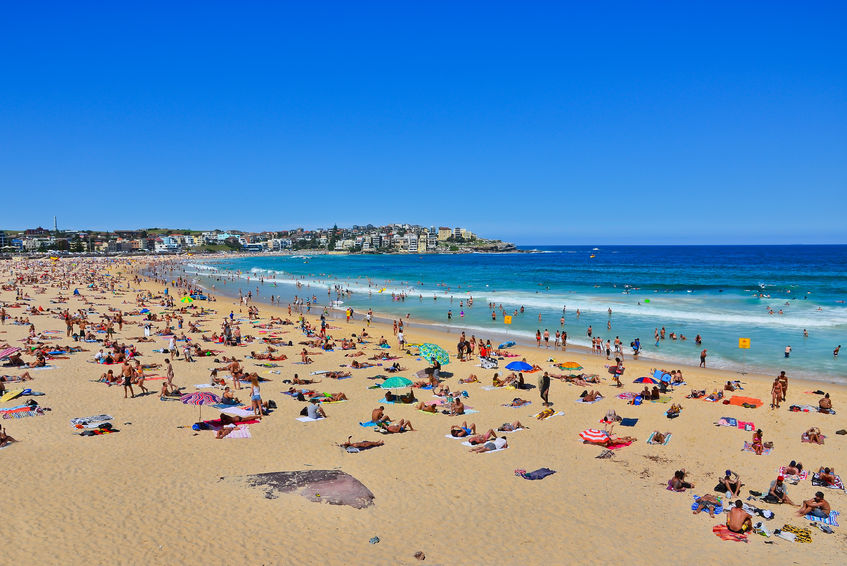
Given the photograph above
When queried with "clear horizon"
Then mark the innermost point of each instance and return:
(648, 125)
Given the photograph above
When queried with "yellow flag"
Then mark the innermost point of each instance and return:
(744, 343)
(507, 319)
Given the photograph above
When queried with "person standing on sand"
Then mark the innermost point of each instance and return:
(783, 380)
(776, 393)
(703, 358)
(544, 388)
(126, 374)
(169, 374)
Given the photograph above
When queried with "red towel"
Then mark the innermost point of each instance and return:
(725, 534)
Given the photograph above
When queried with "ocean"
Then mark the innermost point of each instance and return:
(769, 294)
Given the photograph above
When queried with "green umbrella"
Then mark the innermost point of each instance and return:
(429, 351)
(396, 382)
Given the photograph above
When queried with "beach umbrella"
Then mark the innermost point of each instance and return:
(187, 300)
(662, 376)
(519, 366)
(396, 382)
(428, 351)
(645, 380)
(200, 398)
(144, 311)
(8, 352)
(594, 435)
(571, 366)
(508, 344)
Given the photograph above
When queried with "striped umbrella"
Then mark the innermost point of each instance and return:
(594, 435)
(645, 379)
(200, 398)
(5, 353)
(429, 351)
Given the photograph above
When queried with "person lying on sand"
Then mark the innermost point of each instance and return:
(304, 357)
(463, 431)
(480, 438)
(827, 475)
(495, 444)
(331, 397)
(591, 396)
(659, 437)
(25, 376)
(354, 354)
(361, 445)
(300, 381)
(401, 426)
(674, 410)
(395, 367)
(472, 378)
(360, 365)
(517, 402)
(511, 427)
(709, 502)
(793, 468)
(426, 408)
(227, 419)
(813, 435)
(337, 374)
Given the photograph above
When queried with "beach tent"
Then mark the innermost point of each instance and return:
(519, 366)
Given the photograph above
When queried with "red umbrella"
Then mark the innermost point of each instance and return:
(594, 435)
(200, 398)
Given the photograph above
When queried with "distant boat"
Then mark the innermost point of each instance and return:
(591, 256)
(595, 249)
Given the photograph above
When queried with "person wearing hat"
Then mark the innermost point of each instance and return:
(818, 507)
(778, 492)
(730, 484)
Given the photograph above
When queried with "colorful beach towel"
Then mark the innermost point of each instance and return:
(241, 431)
(748, 426)
(751, 402)
(800, 534)
(724, 533)
(816, 481)
(535, 416)
(718, 506)
(727, 421)
(748, 447)
(801, 476)
(652, 434)
(832, 520)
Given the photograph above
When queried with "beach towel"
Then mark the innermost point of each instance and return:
(745, 401)
(724, 533)
(832, 520)
(237, 411)
(801, 476)
(466, 443)
(652, 434)
(535, 416)
(367, 424)
(517, 406)
(662, 399)
(718, 506)
(383, 400)
(805, 438)
(727, 421)
(241, 431)
(627, 396)
(816, 481)
(748, 447)
(23, 413)
(538, 474)
(581, 400)
(800, 534)
(628, 422)
(309, 420)
(90, 422)
(748, 426)
(204, 386)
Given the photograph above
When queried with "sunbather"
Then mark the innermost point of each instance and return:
(427, 408)
(813, 435)
(510, 427)
(5, 439)
(659, 437)
(517, 402)
(472, 378)
(463, 431)
(591, 396)
(709, 502)
(827, 476)
(678, 483)
(739, 520)
(495, 444)
(332, 397)
(793, 468)
(674, 410)
(401, 426)
(361, 445)
(818, 506)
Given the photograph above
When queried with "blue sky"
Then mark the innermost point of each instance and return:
(548, 123)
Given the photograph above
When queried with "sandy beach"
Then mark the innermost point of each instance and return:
(153, 492)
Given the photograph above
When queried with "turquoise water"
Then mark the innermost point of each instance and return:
(722, 293)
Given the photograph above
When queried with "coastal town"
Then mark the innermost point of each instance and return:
(391, 238)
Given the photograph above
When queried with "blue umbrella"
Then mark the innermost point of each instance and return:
(662, 376)
(519, 366)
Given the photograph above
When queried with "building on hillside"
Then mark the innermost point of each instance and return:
(444, 233)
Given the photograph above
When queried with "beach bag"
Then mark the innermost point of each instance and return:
(305, 411)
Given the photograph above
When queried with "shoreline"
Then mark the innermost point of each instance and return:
(525, 338)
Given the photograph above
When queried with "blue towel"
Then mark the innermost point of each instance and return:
(538, 474)
(368, 424)
(628, 422)
(718, 508)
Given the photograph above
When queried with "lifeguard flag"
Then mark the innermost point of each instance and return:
(744, 343)
(507, 319)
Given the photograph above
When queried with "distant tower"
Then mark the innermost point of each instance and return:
(55, 225)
